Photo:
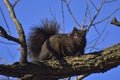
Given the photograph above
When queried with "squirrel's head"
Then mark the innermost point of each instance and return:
(78, 35)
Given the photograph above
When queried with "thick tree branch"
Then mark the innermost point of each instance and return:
(21, 34)
(4, 34)
(101, 61)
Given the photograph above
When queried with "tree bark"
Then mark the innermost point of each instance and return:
(95, 62)
(22, 38)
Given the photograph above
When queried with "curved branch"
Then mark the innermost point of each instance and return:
(5, 19)
(15, 3)
(101, 61)
(21, 34)
(4, 34)
(107, 17)
(96, 14)
(71, 14)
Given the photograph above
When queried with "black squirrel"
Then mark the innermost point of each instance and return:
(45, 42)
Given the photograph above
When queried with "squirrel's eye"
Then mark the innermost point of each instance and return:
(75, 35)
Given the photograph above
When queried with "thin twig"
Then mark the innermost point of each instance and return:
(89, 42)
(89, 13)
(98, 38)
(5, 20)
(90, 17)
(15, 3)
(107, 16)
(63, 18)
(71, 14)
(52, 13)
(90, 21)
(96, 30)
(93, 4)
(96, 14)
(86, 13)
(103, 39)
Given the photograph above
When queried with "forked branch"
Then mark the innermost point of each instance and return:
(20, 30)
(4, 34)
(96, 14)
(71, 14)
(107, 17)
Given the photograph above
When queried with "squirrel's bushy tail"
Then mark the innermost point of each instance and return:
(39, 35)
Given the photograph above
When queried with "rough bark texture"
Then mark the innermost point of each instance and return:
(69, 66)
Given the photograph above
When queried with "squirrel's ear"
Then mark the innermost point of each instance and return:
(75, 29)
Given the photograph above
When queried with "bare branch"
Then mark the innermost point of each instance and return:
(4, 34)
(63, 18)
(115, 22)
(71, 14)
(51, 13)
(107, 16)
(5, 19)
(15, 3)
(86, 13)
(96, 30)
(89, 11)
(93, 4)
(21, 34)
(96, 14)
(96, 42)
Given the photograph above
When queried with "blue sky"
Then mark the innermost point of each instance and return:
(31, 12)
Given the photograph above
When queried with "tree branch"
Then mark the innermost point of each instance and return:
(21, 34)
(5, 19)
(15, 3)
(96, 62)
(71, 14)
(82, 76)
(115, 22)
(4, 34)
(107, 17)
(96, 14)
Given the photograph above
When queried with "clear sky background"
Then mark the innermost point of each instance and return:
(31, 12)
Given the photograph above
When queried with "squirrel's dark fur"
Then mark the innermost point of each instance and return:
(45, 42)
